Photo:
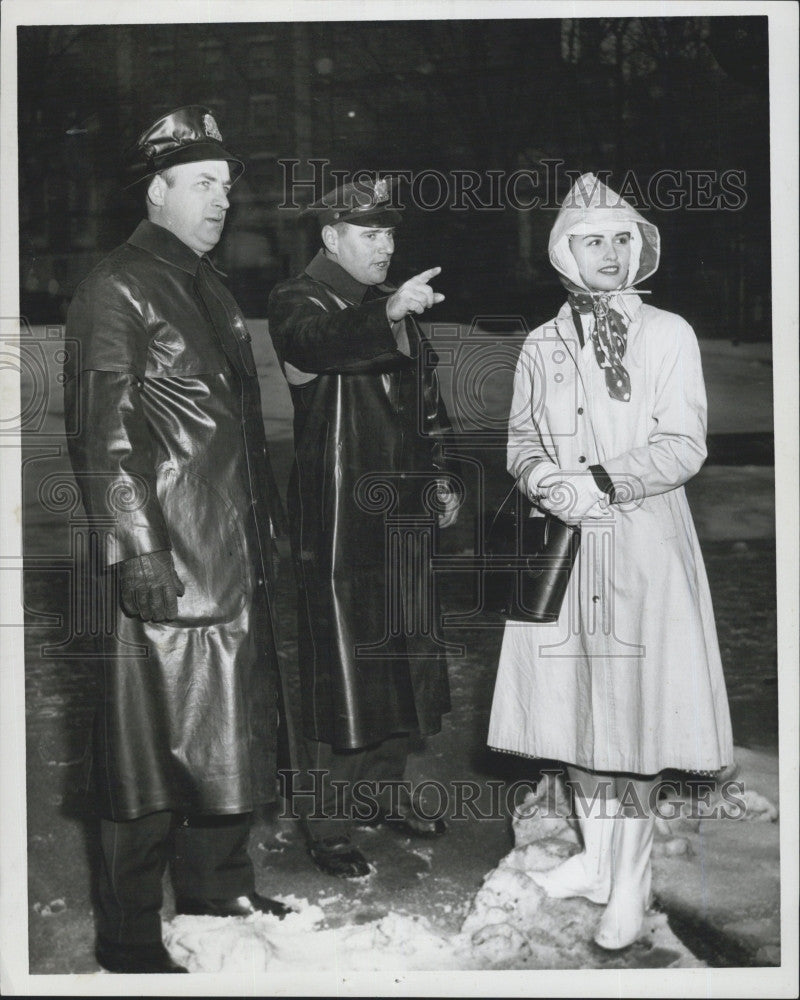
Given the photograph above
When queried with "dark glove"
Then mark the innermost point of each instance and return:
(150, 587)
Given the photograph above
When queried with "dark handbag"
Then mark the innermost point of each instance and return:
(527, 562)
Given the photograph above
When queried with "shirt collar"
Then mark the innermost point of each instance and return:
(323, 268)
(161, 243)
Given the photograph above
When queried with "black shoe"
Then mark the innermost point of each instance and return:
(410, 825)
(338, 856)
(135, 958)
(239, 906)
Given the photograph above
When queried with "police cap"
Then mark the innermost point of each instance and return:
(361, 203)
(185, 135)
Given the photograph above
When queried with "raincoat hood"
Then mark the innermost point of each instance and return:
(591, 206)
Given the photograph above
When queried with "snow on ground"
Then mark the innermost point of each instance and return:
(511, 924)
(301, 942)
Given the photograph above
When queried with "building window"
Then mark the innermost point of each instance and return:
(261, 59)
(212, 63)
(264, 120)
(161, 62)
(264, 174)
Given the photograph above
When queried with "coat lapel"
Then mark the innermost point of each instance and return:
(227, 321)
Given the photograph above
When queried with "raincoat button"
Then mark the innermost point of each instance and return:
(581, 458)
(580, 410)
(595, 599)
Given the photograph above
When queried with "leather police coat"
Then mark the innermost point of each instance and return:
(171, 454)
(369, 433)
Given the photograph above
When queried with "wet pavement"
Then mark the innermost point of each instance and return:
(436, 880)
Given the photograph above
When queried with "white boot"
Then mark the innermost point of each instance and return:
(589, 872)
(631, 876)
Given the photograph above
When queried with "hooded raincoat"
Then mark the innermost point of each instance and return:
(629, 679)
(171, 454)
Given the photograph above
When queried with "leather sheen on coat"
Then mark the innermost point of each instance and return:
(171, 453)
(362, 409)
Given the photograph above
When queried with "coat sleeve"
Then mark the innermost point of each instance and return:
(676, 445)
(112, 451)
(438, 426)
(526, 446)
(320, 338)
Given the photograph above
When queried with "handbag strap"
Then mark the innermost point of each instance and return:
(515, 487)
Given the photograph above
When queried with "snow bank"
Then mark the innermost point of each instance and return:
(511, 924)
(301, 942)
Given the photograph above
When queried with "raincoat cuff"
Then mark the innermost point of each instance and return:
(528, 480)
(603, 481)
(129, 544)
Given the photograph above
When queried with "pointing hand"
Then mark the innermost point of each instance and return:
(413, 296)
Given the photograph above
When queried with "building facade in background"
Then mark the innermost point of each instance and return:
(443, 99)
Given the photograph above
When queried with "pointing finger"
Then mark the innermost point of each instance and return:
(427, 275)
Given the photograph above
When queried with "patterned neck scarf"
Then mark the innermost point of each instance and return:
(609, 337)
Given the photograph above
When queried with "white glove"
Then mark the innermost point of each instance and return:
(534, 487)
(575, 497)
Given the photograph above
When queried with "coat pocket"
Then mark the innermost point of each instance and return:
(208, 547)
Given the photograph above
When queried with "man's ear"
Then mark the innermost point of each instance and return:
(155, 191)
(330, 239)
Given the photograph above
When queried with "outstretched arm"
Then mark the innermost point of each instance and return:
(313, 334)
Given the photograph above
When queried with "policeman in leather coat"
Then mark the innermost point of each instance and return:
(172, 463)
(371, 477)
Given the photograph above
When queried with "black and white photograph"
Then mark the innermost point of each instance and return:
(399, 507)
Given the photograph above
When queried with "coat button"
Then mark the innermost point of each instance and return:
(595, 599)
(581, 458)
(580, 410)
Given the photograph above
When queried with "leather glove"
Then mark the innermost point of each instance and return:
(534, 485)
(150, 587)
(575, 497)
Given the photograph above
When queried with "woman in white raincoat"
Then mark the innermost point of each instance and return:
(608, 421)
